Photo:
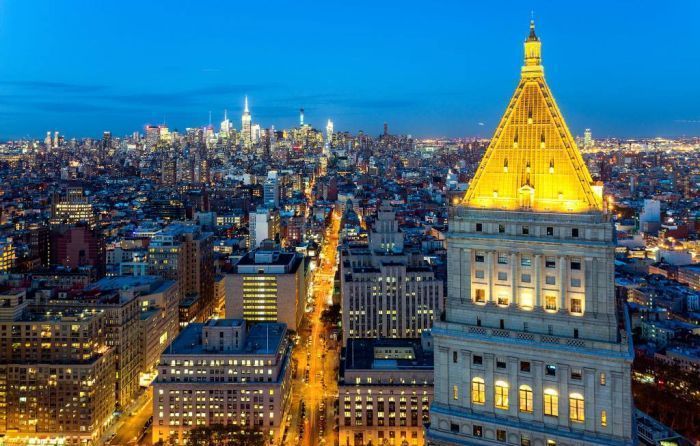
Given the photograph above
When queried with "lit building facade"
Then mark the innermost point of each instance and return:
(533, 348)
(74, 208)
(267, 285)
(223, 372)
(385, 389)
(57, 374)
(246, 127)
(387, 290)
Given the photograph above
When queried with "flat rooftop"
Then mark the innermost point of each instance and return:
(261, 339)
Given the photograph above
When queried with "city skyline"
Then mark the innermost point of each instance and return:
(440, 72)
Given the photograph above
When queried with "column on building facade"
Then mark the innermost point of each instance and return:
(563, 285)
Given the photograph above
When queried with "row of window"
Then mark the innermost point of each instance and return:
(550, 400)
(526, 261)
(550, 301)
(525, 230)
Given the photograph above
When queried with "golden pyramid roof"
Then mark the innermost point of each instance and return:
(532, 162)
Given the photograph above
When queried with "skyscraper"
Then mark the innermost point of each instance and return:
(587, 139)
(246, 134)
(301, 117)
(533, 348)
(329, 131)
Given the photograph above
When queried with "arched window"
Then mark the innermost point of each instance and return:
(525, 398)
(576, 408)
(501, 395)
(551, 402)
(478, 391)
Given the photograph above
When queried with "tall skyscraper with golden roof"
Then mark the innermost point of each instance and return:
(533, 348)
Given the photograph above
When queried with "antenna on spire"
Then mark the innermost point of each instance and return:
(245, 110)
(209, 118)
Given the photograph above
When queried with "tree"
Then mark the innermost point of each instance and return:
(224, 435)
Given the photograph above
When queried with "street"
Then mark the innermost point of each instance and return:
(314, 388)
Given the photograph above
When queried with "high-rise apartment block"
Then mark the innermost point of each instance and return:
(387, 289)
(533, 348)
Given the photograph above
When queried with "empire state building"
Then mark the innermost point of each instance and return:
(533, 349)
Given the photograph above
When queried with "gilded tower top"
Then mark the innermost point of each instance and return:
(532, 162)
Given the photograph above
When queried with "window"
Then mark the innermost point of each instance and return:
(500, 363)
(550, 231)
(550, 370)
(575, 282)
(525, 230)
(454, 357)
(525, 261)
(550, 262)
(551, 443)
(550, 303)
(576, 408)
(574, 232)
(576, 306)
(479, 273)
(525, 366)
(454, 428)
(550, 280)
(502, 258)
(503, 276)
(501, 229)
(524, 440)
(455, 392)
(477, 431)
(576, 374)
(525, 399)
(575, 333)
(603, 418)
(551, 403)
(479, 257)
(480, 296)
(501, 395)
(602, 379)
(478, 391)
(501, 435)
(503, 300)
(477, 360)
(526, 278)
(479, 227)
(576, 265)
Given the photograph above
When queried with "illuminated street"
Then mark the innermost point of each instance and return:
(314, 386)
(131, 427)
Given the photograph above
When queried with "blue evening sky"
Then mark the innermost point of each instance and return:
(428, 68)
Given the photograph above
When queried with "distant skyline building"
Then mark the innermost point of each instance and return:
(246, 126)
(533, 349)
(587, 139)
(301, 117)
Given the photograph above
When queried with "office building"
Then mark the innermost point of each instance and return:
(71, 209)
(267, 285)
(246, 128)
(533, 348)
(387, 290)
(7, 255)
(57, 373)
(224, 372)
(271, 190)
(385, 387)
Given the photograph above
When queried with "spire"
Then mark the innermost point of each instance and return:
(533, 54)
(225, 115)
(245, 110)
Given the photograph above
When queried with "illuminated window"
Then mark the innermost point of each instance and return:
(455, 392)
(551, 403)
(576, 306)
(603, 418)
(525, 398)
(480, 296)
(503, 300)
(576, 407)
(550, 303)
(478, 391)
(602, 379)
(501, 395)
